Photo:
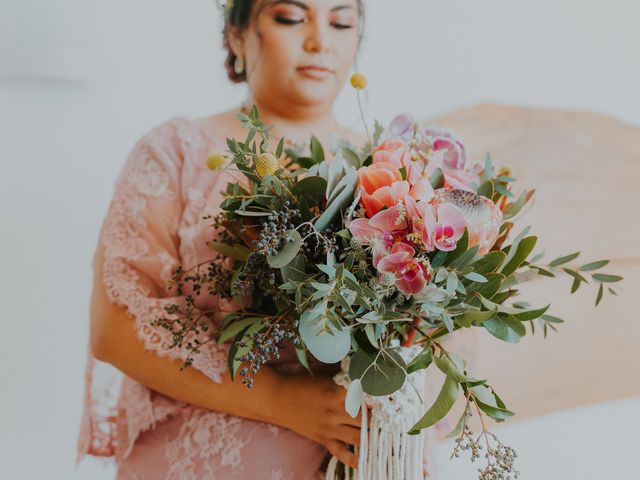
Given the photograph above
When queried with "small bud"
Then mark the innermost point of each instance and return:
(506, 170)
(216, 160)
(358, 81)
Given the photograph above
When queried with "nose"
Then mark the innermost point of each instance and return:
(317, 38)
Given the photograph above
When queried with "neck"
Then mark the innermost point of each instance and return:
(295, 122)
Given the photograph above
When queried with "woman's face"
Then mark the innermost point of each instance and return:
(304, 52)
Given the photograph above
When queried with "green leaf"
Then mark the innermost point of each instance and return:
(594, 265)
(489, 262)
(236, 327)
(459, 425)
(600, 292)
(325, 341)
(552, 319)
(475, 277)
(317, 152)
(353, 399)
(531, 314)
(512, 209)
(341, 197)
(601, 277)
(523, 250)
(236, 252)
(280, 147)
(439, 259)
(422, 360)
(563, 260)
(453, 366)
(507, 329)
(472, 316)
(381, 373)
(461, 247)
(486, 189)
(288, 252)
(351, 157)
(437, 178)
(497, 413)
(296, 270)
(312, 189)
(464, 259)
(302, 358)
(440, 408)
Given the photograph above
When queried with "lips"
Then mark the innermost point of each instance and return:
(316, 72)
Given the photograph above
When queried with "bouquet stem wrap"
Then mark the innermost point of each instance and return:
(387, 451)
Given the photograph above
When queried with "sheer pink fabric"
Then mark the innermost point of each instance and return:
(154, 223)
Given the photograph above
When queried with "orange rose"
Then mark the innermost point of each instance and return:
(386, 196)
(378, 175)
(375, 182)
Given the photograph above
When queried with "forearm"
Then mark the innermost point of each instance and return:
(115, 341)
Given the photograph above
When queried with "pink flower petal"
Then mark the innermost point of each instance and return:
(385, 220)
(361, 229)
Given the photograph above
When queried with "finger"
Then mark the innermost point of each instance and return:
(346, 419)
(347, 434)
(343, 453)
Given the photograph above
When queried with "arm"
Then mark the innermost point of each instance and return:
(113, 340)
(312, 407)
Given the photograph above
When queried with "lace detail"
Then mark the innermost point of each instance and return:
(141, 245)
(208, 442)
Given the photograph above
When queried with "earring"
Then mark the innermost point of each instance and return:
(238, 65)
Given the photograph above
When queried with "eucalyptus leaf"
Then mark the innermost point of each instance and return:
(236, 252)
(440, 408)
(353, 400)
(288, 252)
(507, 329)
(325, 341)
(381, 373)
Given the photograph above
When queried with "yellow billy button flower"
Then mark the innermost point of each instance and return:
(216, 160)
(266, 164)
(358, 81)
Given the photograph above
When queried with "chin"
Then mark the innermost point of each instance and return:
(317, 93)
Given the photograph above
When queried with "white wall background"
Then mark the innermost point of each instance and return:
(82, 80)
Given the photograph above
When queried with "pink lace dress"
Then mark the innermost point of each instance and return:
(154, 223)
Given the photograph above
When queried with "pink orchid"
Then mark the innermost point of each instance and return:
(443, 226)
(438, 225)
(411, 274)
(450, 144)
(384, 230)
(402, 126)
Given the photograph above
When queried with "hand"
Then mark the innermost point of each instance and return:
(314, 408)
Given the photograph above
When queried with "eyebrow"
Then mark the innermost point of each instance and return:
(304, 6)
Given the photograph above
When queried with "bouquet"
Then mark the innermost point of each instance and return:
(368, 259)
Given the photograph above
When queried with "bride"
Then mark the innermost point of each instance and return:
(156, 421)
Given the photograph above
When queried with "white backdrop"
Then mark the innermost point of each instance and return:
(82, 80)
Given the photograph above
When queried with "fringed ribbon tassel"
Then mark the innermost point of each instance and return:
(387, 451)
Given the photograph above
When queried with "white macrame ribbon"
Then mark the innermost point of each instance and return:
(387, 451)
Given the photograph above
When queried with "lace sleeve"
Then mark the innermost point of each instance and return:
(141, 245)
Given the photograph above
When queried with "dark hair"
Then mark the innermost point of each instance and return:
(238, 16)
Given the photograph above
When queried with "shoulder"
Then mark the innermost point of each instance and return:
(173, 142)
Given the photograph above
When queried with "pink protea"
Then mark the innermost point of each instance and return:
(482, 216)
(411, 274)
